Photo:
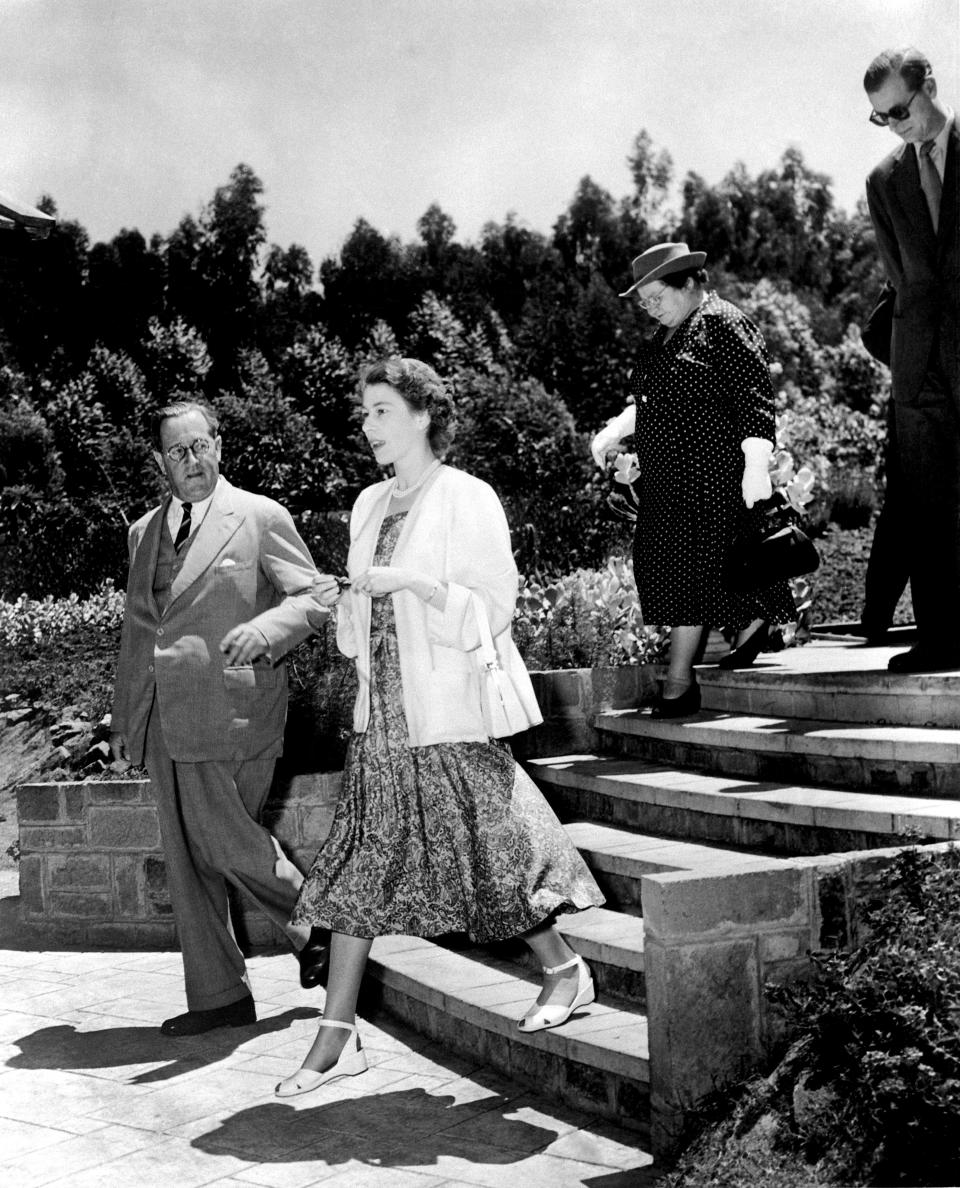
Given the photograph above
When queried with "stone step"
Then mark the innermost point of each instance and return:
(911, 760)
(613, 945)
(879, 698)
(470, 1001)
(781, 818)
(619, 858)
(610, 941)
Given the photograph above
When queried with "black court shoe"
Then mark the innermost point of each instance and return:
(678, 707)
(743, 656)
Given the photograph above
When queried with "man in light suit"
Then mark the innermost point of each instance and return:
(914, 201)
(219, 589)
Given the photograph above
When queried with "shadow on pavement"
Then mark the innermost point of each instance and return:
(635, 1177)
(63, 1047)
(390, 1129)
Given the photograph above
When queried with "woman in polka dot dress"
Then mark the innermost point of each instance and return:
(704, 427)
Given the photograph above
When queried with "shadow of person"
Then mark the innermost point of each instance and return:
(406, 1127)
(634, 1177)
(63, 1047)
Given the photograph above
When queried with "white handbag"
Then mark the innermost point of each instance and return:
(503, 711)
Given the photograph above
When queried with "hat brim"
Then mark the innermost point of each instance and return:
(677, 264)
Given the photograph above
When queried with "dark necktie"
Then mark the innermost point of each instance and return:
(930, 182)
(184, 530)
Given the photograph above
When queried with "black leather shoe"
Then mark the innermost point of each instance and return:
(924, 659)
(241, 1013)
(678, 707)
(756, 642)
(314, 958)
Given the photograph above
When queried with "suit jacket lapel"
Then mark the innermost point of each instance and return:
(219, 524)
(905, 183)
(148, 550)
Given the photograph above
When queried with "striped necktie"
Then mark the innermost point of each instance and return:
(930, 182)
(184, 530)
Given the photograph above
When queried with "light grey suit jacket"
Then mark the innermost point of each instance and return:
(246, 563)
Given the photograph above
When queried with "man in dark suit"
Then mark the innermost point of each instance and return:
(914, 201)
(220, 587)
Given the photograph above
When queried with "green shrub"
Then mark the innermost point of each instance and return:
(35, 621)
(589, 617)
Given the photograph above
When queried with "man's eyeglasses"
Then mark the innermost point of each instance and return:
(898, 112)
(177, 453)
(655, 300)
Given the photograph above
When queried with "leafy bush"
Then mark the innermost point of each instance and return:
(882, 1026)
(323, 688)
(36, 621)
(585, 619)
(838, 584)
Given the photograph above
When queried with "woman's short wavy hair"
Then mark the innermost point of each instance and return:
(423, 390)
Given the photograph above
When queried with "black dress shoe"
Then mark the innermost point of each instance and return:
(757, 641)
(314, 958)
(241, 1013)
(924, 659)
(678, 707)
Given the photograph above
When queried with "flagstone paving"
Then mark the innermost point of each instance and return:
(92, 1095)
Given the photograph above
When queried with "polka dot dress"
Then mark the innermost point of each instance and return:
(698, 396)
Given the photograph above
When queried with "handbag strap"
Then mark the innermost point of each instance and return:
(486, 653)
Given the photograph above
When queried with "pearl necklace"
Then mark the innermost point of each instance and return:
(397, 494)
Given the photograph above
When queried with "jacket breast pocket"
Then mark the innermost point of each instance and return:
(231, 569)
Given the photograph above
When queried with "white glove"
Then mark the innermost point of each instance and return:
(613, 432)
(756, 485)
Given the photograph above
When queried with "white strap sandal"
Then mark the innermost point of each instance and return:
(351, 1062)
(538, 1018)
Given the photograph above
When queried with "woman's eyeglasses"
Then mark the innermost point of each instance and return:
(898, 112)
(652, 302)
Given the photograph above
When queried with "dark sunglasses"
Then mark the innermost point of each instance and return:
(898, 112)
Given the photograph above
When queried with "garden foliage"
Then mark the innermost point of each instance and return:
(527, 327)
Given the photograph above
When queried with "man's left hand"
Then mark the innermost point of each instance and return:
(243, 644)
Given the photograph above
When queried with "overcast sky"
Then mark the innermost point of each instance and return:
(131, 112)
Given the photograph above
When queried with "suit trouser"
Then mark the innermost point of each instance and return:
(928, 443)
(209, 822)
(888, 569)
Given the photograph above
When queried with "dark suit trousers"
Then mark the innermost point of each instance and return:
(928, 443)
(888, 569)
(209, 821)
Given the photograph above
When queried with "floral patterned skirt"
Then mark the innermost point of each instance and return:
(453, 837)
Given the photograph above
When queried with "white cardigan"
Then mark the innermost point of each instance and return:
(455, 531)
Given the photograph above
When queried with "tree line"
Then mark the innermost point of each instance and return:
(527, 326)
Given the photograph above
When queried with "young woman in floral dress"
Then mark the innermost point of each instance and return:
(437, 829)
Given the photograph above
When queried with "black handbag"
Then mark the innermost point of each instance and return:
(772, 549)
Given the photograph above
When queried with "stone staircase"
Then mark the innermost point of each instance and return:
(815, 751)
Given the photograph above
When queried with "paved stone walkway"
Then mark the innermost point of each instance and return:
(92, 1095)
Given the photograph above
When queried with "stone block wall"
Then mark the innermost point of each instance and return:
(571, 698)
(713, 941)
(91, 861)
